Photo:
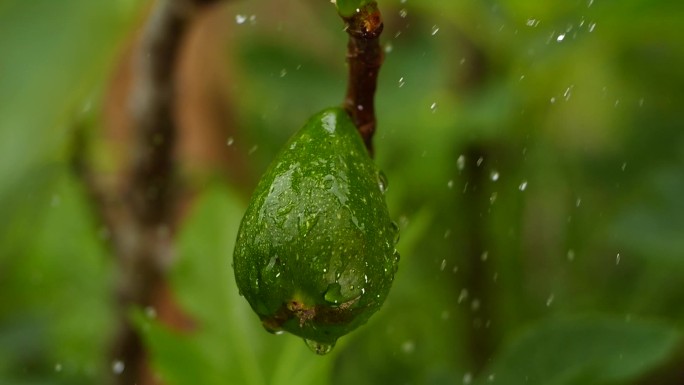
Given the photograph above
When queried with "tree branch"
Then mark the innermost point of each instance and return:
(365, 57)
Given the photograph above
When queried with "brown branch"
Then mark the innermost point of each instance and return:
(365, 57)
(137, 208)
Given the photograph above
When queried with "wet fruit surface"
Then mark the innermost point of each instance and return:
(315, 251)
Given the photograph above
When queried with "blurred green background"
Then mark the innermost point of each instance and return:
(535, 157)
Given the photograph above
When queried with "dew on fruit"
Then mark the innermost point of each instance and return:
(319, 347)
(333, 294)
(397, 233)
(383, 183)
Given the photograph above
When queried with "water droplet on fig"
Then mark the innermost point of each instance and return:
(382, 182)
(319, 347)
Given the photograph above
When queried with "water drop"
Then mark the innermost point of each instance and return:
(433, 107)
(443, 265)
(494, 175)
(395, 264)
(435, 29)
(549, 300)
(319, 347)
(240, 19)
(460, 163)
(571, 255)
(408, 347)
(396, 232)
(402, 82)
(383, 183)
(283, 73)
(230, 141)
(523, 186)
(560, 37)
(403, 13)
(272, 329)
(334, 294)
(118, 367)
(150, 312)
(389, 47)
(450, 184)
(492, 198)
(592, 26)
(463, 295)
(532, 22)
(467, 378)
(58, 367)
(617, 259)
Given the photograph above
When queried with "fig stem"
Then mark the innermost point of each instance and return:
(364, 57)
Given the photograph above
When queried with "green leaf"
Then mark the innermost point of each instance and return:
(592, 350)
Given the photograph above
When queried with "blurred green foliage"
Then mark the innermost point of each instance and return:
(534, 152)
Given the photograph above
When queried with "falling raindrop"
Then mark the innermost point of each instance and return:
(443, 265)
(571, 255)
(118, 367)
(403, 13)
(467, 378)
(532, 22)
(549, 300)
(283, 73)
(408, 347)
(592, 26)
(435, 29)
(150, 312)
(58, 367)
(389, 47)
(492, 198)
(460, 163)
(433, 107)
(560, 37)
(463, 295)
(319, 347)
(230, 141)
(402, 82)
(617, 259)
(450, 184)
(494, 176)
(240, 19)
(523, 186)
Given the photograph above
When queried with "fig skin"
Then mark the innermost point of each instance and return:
(315, 251)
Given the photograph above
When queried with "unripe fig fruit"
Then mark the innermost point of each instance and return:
(315, 251)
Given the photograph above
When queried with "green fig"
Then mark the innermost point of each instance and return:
(315, 251)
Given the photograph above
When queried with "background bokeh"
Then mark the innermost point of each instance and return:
(535, 157)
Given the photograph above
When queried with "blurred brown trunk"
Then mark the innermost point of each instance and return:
(165, 106)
